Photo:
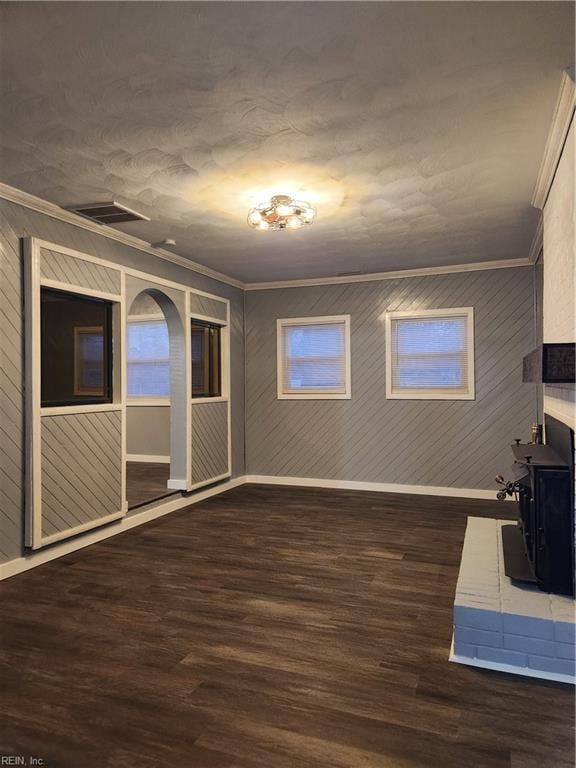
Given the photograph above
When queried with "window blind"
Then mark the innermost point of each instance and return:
(88, 360)
(431, 355)
(148, 362)
(313, 358)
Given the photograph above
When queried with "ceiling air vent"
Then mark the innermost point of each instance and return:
(108, 213)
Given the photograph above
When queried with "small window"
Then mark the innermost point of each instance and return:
(430, 354)
(76, 349)
(206, 360)
(88, 357)
(314, 358)
(148, 370)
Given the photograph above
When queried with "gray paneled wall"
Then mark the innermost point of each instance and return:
(67, 269)
(204, 305)
(11, 396)
(81, 469)
(148, 430)
(209, 440)
(144, 304)
(369, 438)
(16, 222)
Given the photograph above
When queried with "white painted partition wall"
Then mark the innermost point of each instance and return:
(210, 424)
(76, 454)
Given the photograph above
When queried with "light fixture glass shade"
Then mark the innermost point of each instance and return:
(281, 213)
(254, 217)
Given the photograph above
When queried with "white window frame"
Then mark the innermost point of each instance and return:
(313, 394)
(432, 394)
(224, 359)
(144, 400)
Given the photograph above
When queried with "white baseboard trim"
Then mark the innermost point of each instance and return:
(211, 480)
(148, 459)
(509, 668)
(177, 484)
(21, 564)
(357, 485)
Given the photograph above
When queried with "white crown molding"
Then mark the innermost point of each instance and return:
(392, 275)
(537, 242)
(27, 200)
(562, 117)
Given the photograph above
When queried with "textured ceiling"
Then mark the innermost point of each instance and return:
(415, 128)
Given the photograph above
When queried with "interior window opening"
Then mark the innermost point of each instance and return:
(206, 360)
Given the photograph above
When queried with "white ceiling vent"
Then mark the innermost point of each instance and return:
(108, 213)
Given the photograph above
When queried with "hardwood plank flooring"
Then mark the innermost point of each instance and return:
(266, 628)
(146, 482)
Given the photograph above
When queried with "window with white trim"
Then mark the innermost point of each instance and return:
(148, 359)
(314, 357)
(206, 359)
(430, 354)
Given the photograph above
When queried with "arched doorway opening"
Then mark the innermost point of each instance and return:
(156, 397)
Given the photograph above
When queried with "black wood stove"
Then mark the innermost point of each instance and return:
(540, 548)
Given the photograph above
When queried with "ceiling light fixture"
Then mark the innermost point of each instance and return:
(281, 213)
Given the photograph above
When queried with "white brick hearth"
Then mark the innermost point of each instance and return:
(499, 625)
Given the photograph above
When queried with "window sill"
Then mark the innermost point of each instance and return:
(68, 410)
(429, 396)
(148, 401)
(218, 399)
(314, 396)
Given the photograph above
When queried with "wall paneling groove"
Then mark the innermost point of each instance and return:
(372, 439)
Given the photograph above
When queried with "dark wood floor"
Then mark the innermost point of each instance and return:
(146, 483)
(266, 628)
